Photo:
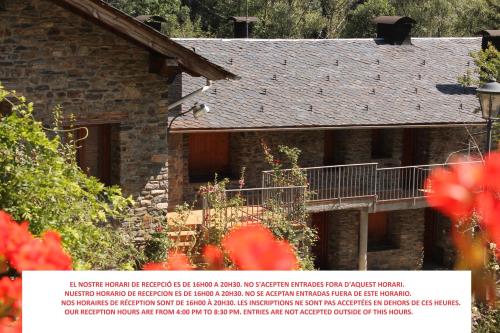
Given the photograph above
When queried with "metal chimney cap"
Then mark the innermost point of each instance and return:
(393, 20)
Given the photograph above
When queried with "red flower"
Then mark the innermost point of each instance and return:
(492, 172)
(175, 262)
(488, 206)
(453, 191)
(41, 254)
(214, 258)
(254, 247)
(10, 305)
(12, 236)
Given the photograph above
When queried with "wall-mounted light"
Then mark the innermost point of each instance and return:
(198, 110)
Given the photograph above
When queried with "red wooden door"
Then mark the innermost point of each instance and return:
(209, 153)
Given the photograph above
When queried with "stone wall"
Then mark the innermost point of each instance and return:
(350, 146)
(246, 152)
(441, 144)
(55, 57)
(343, 240)
(406, 232)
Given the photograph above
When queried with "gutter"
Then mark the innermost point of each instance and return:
(319, 128)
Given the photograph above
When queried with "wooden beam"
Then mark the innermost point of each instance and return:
(149, 37)
(96, 118)
(168, 67)
(363, 240)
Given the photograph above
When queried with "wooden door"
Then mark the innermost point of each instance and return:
(209, 153)
(320, 250)
(329, 153)
(410, 148)
(432, 252)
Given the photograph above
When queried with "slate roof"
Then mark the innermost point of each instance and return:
(333, 83)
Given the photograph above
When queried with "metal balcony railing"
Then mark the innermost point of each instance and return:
(357, 181)
(246, 206)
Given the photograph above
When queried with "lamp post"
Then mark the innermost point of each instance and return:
(489, 98)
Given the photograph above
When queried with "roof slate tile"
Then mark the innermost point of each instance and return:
(401, 85)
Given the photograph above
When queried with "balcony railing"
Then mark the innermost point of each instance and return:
(246, 206)
(352, 181)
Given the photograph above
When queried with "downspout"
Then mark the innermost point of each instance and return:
(194, 93)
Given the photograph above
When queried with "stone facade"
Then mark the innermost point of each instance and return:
(405, 231)
(55, 57)
(349, 147)
(246, 152)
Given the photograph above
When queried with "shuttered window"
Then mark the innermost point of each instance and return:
(209, 154)
(382, 142)
(94, 153)
(378, 232)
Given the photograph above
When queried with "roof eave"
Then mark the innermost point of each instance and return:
(318, 128)
(118, 21)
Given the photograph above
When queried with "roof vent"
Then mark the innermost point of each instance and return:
(490, 36)
(154, 21)
(394, 30)
(243, 26)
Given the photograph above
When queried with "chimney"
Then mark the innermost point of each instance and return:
(242, 25)
(394, 30)
(490, 36)
(153, 21)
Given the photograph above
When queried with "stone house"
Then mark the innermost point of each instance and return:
(378, 112)
(113, 73)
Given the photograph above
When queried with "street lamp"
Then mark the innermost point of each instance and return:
(489, 98)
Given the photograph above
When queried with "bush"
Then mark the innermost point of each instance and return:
(40, 181)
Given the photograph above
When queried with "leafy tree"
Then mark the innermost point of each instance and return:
(336, 14)
(291, 19)
(360, 20)
(487, 66)
(41, 182)
(178, 20)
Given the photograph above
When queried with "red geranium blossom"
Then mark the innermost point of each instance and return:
(19, 251)
(41, 254)
(214, 258)
(175, 262)
(452, 191)
(254, 247)
(469, 188)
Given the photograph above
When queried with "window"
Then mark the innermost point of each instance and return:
(97, 154)
(378, 232)
(382, 140)
(209, 154)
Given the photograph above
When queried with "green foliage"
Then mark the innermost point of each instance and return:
(360, 19)
(485, 319)
(178, 17)
(40, 182)
(317, 18)
(439, 18)
(286, 222)
(487, 66)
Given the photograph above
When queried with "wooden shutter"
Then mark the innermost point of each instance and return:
(209, 153)
(377, 228)
(320, 249)
(94, 152)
